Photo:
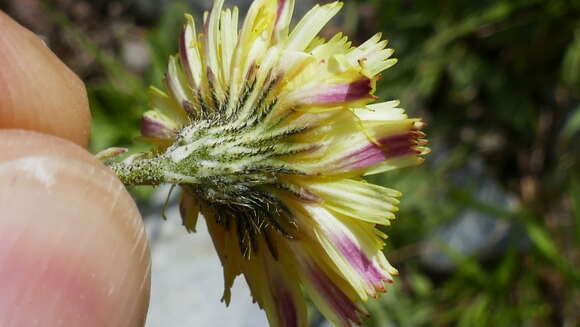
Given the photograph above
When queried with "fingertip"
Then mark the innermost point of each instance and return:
(38, 91)
(73, 251)
(17, 143)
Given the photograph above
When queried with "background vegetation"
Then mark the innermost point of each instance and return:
(489, 228)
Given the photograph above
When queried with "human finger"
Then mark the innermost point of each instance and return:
(73, 251)
(37, 91)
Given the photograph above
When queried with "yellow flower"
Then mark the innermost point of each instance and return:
(269, 130)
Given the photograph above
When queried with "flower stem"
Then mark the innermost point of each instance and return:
(140, 172)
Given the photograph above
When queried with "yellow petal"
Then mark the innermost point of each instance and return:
(212, 48)
(254, 40)
(158, 126)
(274, 284)
(339, 44)
(358, 200)
(326, 288)
(225, 242)
(189, 208)
(167, 106)
(189, 53)
(176, 83)
(353, 250)
(284, 13)
(229, 40)
(311, 25)
(381, 112)
(374, 55)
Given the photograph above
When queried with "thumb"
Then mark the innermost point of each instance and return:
(73, 251)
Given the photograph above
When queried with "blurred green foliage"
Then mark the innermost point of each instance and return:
(497, 80)
(119, 99)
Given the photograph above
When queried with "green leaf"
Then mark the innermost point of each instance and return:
(574, 195)
(475, 314)
(547, 247)
(572, 125)
(421, 284)
(571, 64)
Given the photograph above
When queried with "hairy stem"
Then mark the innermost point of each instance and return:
(141, 172)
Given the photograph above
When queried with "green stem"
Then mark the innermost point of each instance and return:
(141, 172)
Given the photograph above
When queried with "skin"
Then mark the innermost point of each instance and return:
(73, 250)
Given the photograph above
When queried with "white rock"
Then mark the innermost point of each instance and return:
(187, 281)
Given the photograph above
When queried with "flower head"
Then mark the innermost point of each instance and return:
(269, 130)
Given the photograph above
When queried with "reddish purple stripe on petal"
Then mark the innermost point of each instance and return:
(309, 196)
(341, 304)
(183, 54)
(377, 155)
(281, 4)
(344, 92)
(398, 139)
(286, 308)
(391, 147)
(336, 93)
(156, 129)
(361, 262)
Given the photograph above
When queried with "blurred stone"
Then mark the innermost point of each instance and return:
(187, 281)
(135, 55)
(491, 142)
(473, 233)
